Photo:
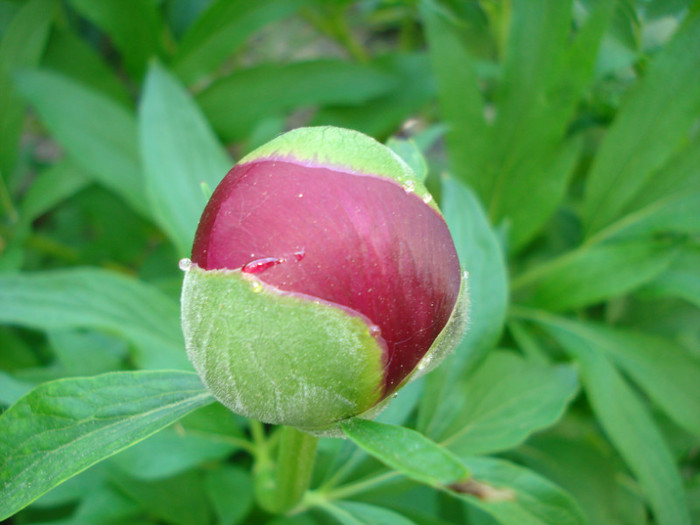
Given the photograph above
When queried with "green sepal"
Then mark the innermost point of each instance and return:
(278, 357)
(344, 150)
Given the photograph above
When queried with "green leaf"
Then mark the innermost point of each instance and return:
(63, 427)
(503, 402)
(408, 150)
(594, 273)
(222, 29)
(407, 451)
(22, 46)
(352, 513)
(234, 104)
(97, 299)
(105, 505)
(682, 278)
(666, 371)
(134, 26)
(180, 500)
(179, 152)
(11, 389)
(230, 490)
(69, 55)
(51, 187)
(627, 423)
(648, 129)
(99, 134)
(513, 494)
(481, 256)
(86, 353)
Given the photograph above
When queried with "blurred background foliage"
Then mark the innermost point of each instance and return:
(562, 139)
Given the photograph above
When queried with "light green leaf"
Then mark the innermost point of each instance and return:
(179, 152)
(352, 513)
(648, 129)
(106, 147)
(105, 505)
(22, 46)
(50, 188)
(63, 427)
(481, 256)
(234, 104)
(222, 29)
(12, 389)
(408, 150)
(594, 273)
(627, 423)
(86, 353)
(98, 299)
(513, 494)
(134, 26)
(503, 402)
(230, 489)
(407, 451)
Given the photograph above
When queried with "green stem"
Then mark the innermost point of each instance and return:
(280, 486)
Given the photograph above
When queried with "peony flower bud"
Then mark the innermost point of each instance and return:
(323, 278)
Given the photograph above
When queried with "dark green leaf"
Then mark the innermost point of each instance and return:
(407, 451)
(106, 147)
(235, 103)
(223, 27)
(61, 428)
(98, 299)
(134, 26)
(230, 490)
(179, 152)
(180, 500)
(649, 128)
(513, 494)
(22, 46)
(594, 273)
(502, 402)
(50, 188)
(627, 423)
(66, 53)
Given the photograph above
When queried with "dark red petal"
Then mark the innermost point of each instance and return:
(358, 241)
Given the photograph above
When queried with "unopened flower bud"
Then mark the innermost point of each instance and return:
(323, 278)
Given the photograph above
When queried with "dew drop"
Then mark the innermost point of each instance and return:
(256, 286)
(260, 265)
(395, 395)
(409, 186)
(427, 198)
(300, 195)
(375, 331)
(185, 264)
(299, 255)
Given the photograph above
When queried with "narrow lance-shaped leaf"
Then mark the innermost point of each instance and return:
(648, 129)
(407, 451)
(22, 46)
(627, 423)
(105, 147)
(98, 299)
(63, 427)
(221, 30)
(134, 26)
(180, 153)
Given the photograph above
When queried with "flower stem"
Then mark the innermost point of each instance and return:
(280, 486)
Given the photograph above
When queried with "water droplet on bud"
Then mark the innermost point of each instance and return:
(395, 395)
(375, 331)
(260, 265)
(427, 198)
(185, 264)
(299, 255)
(409, 186)
(256, 286)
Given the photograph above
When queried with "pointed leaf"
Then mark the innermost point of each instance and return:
(407, 451)
(98, 299)
(179, 152)
(649, 127)
(63, 427)
(99, 134)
